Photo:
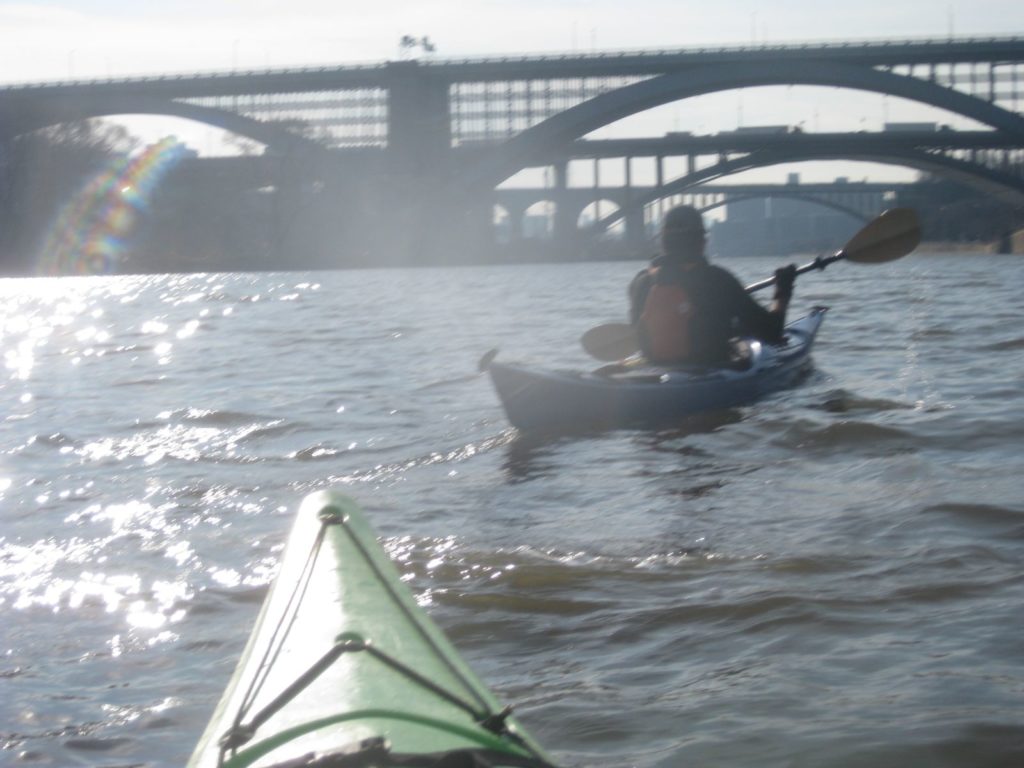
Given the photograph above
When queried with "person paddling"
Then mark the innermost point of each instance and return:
(687, 311)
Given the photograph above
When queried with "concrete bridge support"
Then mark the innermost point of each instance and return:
(635, 234)
(516, 213)
(565, 214)
(418, 215)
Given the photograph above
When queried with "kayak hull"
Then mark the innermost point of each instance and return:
(650, 396)
(343, 660)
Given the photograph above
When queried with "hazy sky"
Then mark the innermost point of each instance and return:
(99, 38)
(96, 38)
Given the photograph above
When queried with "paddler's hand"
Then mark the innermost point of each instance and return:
(784, 279)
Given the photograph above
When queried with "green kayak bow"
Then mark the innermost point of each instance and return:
(344, 669)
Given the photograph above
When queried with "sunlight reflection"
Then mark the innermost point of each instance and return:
(441, 561)
(226, 577)
(30, 578)
(179, 441)
(141, 617)
(153, 326)
(21, 359)
(188, 329)
(163, 352)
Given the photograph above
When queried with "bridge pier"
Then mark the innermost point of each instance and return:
(418, 214)
(634, 213)
(419, 120)
(635, 234)
(515, 216)
(565, 216)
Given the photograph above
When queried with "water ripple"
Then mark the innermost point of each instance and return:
(829, 577)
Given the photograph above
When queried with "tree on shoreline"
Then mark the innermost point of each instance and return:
(40, 172)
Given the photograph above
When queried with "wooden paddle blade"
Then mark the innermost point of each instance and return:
(611, 341)
(894, 234)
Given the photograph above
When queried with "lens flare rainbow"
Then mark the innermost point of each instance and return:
(91, 233)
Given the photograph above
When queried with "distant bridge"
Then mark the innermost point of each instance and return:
(985, 159)
(432, 139)
(860, 200)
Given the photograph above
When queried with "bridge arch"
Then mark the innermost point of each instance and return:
(544, 139)
(1004, 187)
(278, 139)
(590, 218)
(807, 198)
(503, 222)
(537, 221)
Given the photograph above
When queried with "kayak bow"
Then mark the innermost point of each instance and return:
(344, 668)
(647, 396)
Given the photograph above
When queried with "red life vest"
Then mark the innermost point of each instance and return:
(665, 322)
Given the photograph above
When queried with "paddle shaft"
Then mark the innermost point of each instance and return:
(891, 235)
(819, 263)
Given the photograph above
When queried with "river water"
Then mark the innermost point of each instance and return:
(832, 577)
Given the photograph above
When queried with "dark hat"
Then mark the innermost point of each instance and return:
(683, 218)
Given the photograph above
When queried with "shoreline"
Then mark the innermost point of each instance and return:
(992, 248)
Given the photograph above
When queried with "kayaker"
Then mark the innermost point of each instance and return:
(687, 310)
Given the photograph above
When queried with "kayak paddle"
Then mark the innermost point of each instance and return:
(481, 367)
(610, 342)
(890, 236)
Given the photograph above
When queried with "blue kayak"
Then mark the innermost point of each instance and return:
(645, 396)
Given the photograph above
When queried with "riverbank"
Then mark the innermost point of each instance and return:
(1014, 244)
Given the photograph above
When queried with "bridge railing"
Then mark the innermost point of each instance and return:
(780, 47)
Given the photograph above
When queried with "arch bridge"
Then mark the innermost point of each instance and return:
(434, 138)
